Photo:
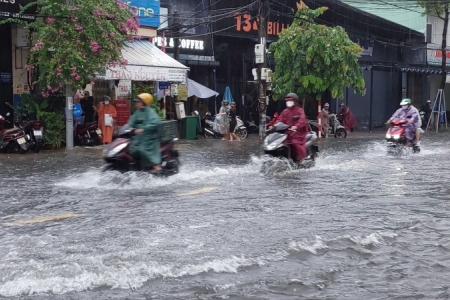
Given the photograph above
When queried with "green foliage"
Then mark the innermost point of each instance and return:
(74, 42)
(53, 127)
(435, 8)
(144, 87)
(312, 58)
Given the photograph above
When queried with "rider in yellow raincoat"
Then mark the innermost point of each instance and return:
(146, 142)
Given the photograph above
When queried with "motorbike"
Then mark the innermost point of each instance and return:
(13, 140)
(396, 139)
(34, 130)
(336, 127)
(88, 134)
(275, 146)
(208, 128)
(118, 157)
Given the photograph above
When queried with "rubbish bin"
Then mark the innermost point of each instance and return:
(189, 128)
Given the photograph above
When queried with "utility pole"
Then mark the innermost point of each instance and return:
(261, 60)
(69, 112)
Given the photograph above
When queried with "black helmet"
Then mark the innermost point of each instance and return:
(292, 96)
(106, 98)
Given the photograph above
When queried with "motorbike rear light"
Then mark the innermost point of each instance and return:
(37, 124)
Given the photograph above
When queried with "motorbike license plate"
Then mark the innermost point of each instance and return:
(21, 141)
(99, 132)
(37, 133)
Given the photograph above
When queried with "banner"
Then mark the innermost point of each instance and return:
(148, 12)
(123, 90)
(123, 111)
(144, 73)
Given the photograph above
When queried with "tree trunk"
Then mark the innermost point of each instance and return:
(444, 47)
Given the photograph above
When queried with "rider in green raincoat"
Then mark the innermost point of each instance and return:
(146, 142)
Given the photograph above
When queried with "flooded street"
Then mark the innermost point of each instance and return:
(360, 225)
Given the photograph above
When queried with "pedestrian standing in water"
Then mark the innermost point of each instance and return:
(106, 115)
(326, 116)
(348, 120)
(223, 120)
(87, 105)
(233, 122)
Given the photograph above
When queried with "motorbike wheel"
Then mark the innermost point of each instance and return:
(108, 167)
(37, 147)
(207, 135)
(341, 133)
(242, 133)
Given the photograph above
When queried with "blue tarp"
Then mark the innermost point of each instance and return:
(227, 95)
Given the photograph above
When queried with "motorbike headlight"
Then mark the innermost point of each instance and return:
(116, 150)
(397, 136)
(275, 144)
(388, 136)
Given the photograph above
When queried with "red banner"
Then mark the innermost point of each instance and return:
(123, 111)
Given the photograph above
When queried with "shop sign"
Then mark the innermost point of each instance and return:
(144, 73)
(5, 77)
(123, 90)
(123, 111)
(11, 9)
(182, 92)
(163, 85)
(434, 55)
(183, 43)
(248, 23)
(148, 12)
(22, 37)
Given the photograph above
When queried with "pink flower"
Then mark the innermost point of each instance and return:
(50, 20)
(77, 78)
(73, 68)
(58, 60)
(61, 32)
(124, 61)
(121, 4)
(73, 74)
(74, 19)
(78, 27)
(112, 34)
(92, 83)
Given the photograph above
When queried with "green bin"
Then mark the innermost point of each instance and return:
(189, 128)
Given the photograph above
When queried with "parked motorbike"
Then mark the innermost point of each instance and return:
(336, 127)
(209, 132)
(88, 134)
(396, 138)
(118, 157)
(34, 130)
(275, 146)
(13, 140)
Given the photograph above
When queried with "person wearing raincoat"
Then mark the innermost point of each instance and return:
(294, 116)
(106, 115)
(406, 112)
(146, 142)
(325, 120)
(222, 121)
(348, 120)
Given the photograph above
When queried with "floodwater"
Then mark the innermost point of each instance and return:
(360, 225)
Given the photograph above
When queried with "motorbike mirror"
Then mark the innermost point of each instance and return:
(139, 121)
(8, 114)
(296, 118)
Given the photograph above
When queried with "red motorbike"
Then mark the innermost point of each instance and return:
(273, 121)
(396, 138)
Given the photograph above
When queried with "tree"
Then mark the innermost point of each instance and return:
(312, 58)
(439, 9)
(71, 43)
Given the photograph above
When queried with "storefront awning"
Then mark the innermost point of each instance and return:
(422, 70)
(147, 63)
(200, 91)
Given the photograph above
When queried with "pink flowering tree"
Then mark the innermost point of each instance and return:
(72, 43)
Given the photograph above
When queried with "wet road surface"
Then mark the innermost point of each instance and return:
(360, 225)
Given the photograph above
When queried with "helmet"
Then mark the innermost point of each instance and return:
(225, 102)
(406, 101)
(326, 105)
(429, 101)
(106, 98)
(146, 98)
(291, 96)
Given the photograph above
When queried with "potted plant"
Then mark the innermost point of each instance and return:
(53, 129)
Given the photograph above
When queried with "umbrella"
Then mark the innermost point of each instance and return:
(202, 92)
(227, 95)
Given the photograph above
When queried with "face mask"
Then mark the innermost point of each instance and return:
(106, 102)
(404, 106)
(290, 103)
